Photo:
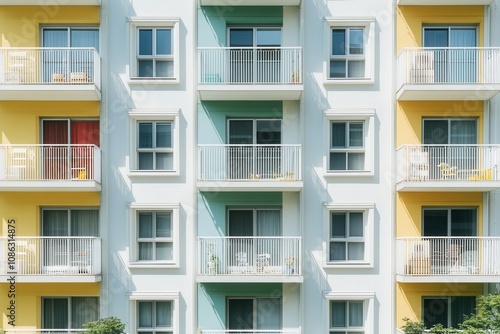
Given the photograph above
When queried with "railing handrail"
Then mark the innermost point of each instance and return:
(423, 48)
(257, 237)
(229, 331)
(49, 145)
(250, 48)
(446, 145)
(48, 237)
(448, 237)
(246, 145)
(48, 48)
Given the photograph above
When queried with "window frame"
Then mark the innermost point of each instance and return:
(367, 298)
(154, 115)
(368, 25)
(69, 300)
(367, 116)
(137, 23)
(449, 302)
(368, 210)
(69, 210)
(347, 149)
(155, 150)
(134, 210)
(158, 296)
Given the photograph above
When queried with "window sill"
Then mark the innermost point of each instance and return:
(152, 265)
(363, 173)
(362, 81)
(152, 81)
(152, 173)
(348, 265)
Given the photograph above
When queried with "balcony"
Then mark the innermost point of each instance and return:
(448, 259)
(249, 259)
(444, 2)
(448, 168)
(57, 2)
(50, 168)
(246, 73)
(249, 168)
(250, 2)
(448, 74)
(51, 259)
(50, 74)
(254, 331)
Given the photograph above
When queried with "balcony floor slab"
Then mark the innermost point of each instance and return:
(292, 186)
(439, 92)
(250, 92)
(53, 279)
(49, 93)
(44, 186)
(448, 279)
(250, 279)
(250, 3)
(447, 186)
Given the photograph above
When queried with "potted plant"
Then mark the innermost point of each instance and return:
(212, 260)
(295, 77)
(290, 265)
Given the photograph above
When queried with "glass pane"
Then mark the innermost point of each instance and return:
(356, 135)
(240, 223)
(55, 223)
(337, 251)
(463, 37)
(338, 225)
(164, 161)
(164, 68)
(461, 306)
(435, 223)
(436, 37)
(268, 37)
(164, 251)
(240, 131)
(163, 225)
(163, 42)
(356, 41)
(463, 223)
(55, 313)
(463, 131)
(356, 314)
(146, 161)
(145, 68)
(435, 131)
(338, 314)
(145, 135)
(269, 313)
(55, 38)
(145, 251)
(338, 134)
(356, 250)
(145, 314)
(240, 313)
(435, 311)
(268, 132)
(356, 224)
(146, 42)
(164, 135)
(356, 161)
(85, 38)
(84, 310)
(338, 42)
(356, 69)
(241, 37)
(145, 225)
(338, 69)
(338, 161)
(164, 314)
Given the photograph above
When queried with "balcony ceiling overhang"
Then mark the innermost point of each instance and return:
(447, 278)
(443, 2)
(54, 278)
(45, 3)
(447, 186)
(250, 92)
(436, 92)
(249, 279)
(49, 93)
(250, 186)
(50, 186)
(250, 2)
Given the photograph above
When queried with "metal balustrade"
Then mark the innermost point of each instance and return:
(471, 256)
(50, 256)
(249, 256)
(448, 162)
(253, 331)
(50, 66)
(452, 65)
(249, 162)
(50, 162)
(249, 65)
(43, 331)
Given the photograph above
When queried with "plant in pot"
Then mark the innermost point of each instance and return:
(212, 260)
(290, 265)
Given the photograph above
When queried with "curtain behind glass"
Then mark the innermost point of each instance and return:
(55, 313)
(338, 314)
(84, 223)
(55, 223)
(463, 222)
(355, 314)
(240, 313)
(145, 314)
(435, 311)
(463, 37)
(461, 306)
(463, 131)
(164, 314)
(87, 38)
(83, 310)
(240, 223)
(268, 223)
(269, 313)
(53, 38)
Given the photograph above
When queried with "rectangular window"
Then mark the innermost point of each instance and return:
(347, 316)
(155, 236)
(448, 311)
(347, 147)
(347, 236)
(347, 54)
(155, 317)
(155, 146)
(254, 313)
(155, 57)
(69, 312)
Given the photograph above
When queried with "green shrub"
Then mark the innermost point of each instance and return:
(111, 325)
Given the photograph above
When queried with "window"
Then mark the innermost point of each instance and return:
(347, 148)
(154, 235)
(448, 311)
(155, 54)
(155, 147)
(350, 50)
(350, 312)
(349, 231)
(69, 312)
(155, 317)
(450, 222)
(254, 313)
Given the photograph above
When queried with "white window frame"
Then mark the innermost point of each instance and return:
(368, 299)
(70, 307)
(157, 296)
(368, 210)
(134, 209)
(366, 23)
(137, 23)
(153, 115)
(352, 115)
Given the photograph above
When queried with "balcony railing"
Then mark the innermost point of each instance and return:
(247, 65)
(50, 256)
(448, 162)
(471, 256)
(50, 66)
(50, 162)
(253, 331)
(249, 162)
(249, 256)
(43, 331)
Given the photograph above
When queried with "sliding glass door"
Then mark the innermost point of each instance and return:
(254, 314)
(68, 312)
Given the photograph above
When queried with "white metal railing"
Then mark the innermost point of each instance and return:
(50, 66)
(448, 256)
(453, 65)
(43, 331)
(50, 256)
(250, 65)
(249, 162)
(448, 162)
(252, 331)
(249, 256)
(50, 162)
